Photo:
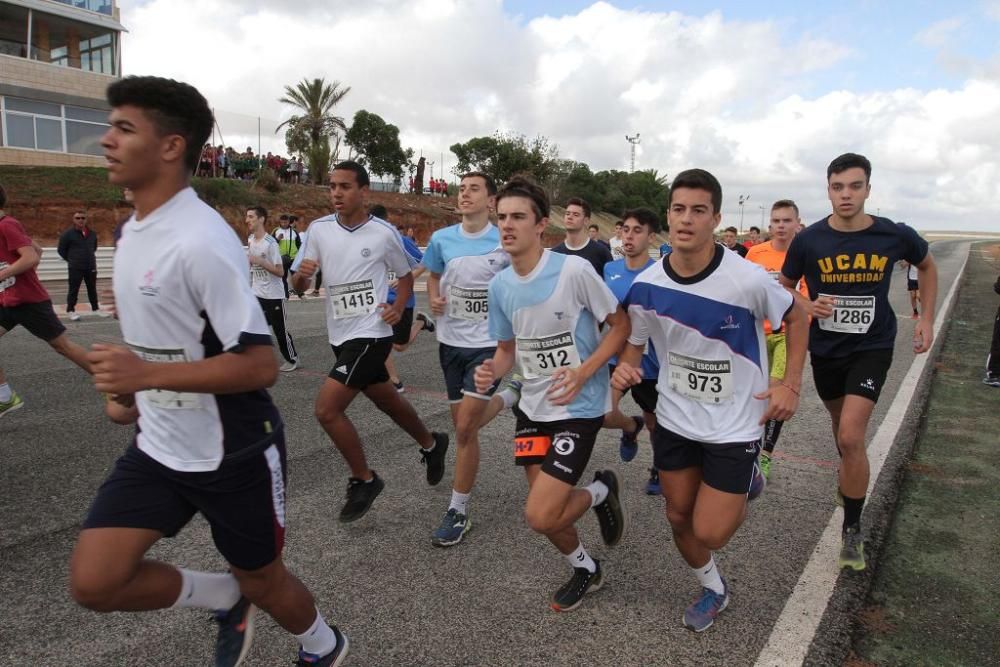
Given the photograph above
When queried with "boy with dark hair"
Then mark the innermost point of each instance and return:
(729, 240)
(846, 260)
(266, 271)
(615, 243)
(289, 243)
(576, 221)
(753, 237)
(197, 361)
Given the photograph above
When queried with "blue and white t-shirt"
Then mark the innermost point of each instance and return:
(708, 331)
(466, 263)
(552, 314)
(619, 279)
(413, 250)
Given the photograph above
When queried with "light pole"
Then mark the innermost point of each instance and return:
(430, 164)
(743, 200)
(634, 141)
(761, 216)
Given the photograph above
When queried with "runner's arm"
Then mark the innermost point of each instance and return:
(434, 294)
(628, 372)
(28, 259)
(502, 362)
(927, 285)
(567, 383)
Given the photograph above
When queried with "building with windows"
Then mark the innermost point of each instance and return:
(57, 58)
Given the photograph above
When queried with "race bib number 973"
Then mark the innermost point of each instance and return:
(542, 357)
(705, 380)
(851, 314)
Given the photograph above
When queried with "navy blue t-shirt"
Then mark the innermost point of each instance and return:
(856, 267)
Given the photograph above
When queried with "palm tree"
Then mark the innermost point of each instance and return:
(317, 124)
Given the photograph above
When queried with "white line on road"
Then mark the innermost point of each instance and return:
(795, 628)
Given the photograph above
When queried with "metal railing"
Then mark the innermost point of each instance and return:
(53, 267)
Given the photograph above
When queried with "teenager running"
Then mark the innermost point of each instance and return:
(356, 253)
(197, 361)
(543, 312)
(913, 287)
(267, 280)
(847, 260)
(702, 307)
(578, 242)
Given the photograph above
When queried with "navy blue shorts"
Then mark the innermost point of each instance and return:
(644, 394)
(38, 318)
(243, 500)
(459, 366)
(727, 467)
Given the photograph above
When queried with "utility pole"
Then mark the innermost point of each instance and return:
(634, 141)
(743, 200)
(761, 217)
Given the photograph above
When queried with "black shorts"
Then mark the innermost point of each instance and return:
(38, 318)
(361, 362)
(644, 394)
(725, 467)
(459, 366)
(401, 329)
(561, 447)
(912, 285)
(243, 501)
(859, 374)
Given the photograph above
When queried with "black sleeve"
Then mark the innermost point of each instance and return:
(63, 247)
(794, 260)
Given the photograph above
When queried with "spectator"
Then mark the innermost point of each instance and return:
(78, 246)
(993, 360)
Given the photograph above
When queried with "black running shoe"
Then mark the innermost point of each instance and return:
(583, 581)
(434, 459)
(360, 496)
(235, 633)
(331, 659)
(429, 326)
(610, 514)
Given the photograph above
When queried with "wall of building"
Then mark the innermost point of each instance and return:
(53, 78)
(28, 158)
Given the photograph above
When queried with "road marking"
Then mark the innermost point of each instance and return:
(795, 628)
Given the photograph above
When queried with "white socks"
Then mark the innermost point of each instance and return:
(580, 558)
(459, 502)
(709, 577)
(598, 491)
(319, 639)
(508, 397)
(205, 590)
(5, 393)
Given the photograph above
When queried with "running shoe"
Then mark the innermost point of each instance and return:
(289, 366)
(653, 485)
(331, 659)
(102, 313)
(628, 446)
(74, 316)
(583, 581)
(429, 326)
(852, 549)
(453, 528)
(757, 484)
(765, 464)
(991, 380)
(610, 514)
(314, 293)
(360, 496)
(700, 614)
(235, 633)
(434, 459)
(399, 387)
(15, 403)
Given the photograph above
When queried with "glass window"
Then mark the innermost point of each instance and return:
(13, 30)
(101, 6)
(48, 134)
(33, 106)
(81, 113)
(20, 131)
(84, 138)
(69, 43)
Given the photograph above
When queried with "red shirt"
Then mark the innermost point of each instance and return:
(25, 288)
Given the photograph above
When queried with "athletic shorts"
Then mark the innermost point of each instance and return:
(401, 329)
(912, 285)
(361, 362)
(725, 467)
(459, 366)
(561, 447)
(644, 394)
(777, 355)
(859, 374)
(38, 318)
(243, 501)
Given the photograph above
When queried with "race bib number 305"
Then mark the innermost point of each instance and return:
(705, 380)
(7, 282)
(851, 314)
(541, 357)
(467, 304)
(353, 299)
(169, 400)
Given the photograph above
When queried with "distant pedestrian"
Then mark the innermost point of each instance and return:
(78, 247)
(993, 360)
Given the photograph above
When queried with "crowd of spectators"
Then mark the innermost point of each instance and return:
(226, 162)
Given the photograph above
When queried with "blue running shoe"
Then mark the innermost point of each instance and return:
(453, 528)
(628, 446)
(653, 485)
(757, 484)
(235, 633)
(331, 659)
(700, 615)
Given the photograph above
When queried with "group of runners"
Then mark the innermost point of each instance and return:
(711, 347)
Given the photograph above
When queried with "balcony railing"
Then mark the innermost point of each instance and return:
(99, 6)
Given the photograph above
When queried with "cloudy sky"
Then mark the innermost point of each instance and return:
(764, 95)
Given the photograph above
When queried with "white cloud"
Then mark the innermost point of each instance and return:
(940, 34)
(703, 91)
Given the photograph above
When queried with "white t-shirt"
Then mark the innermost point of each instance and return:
(617, 248)
(356, 264)
(553, 314)
(182, 289)
(265, 284)
(708, 333)
(466, 263)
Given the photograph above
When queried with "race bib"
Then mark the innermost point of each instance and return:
(161, 398)
(391, 276)
(541, 357)
(353, 299)
(705, 380)
(467, 304)
(851, 314)
(258, 274)
(7, 282)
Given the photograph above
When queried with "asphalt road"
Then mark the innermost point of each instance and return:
(402, 601)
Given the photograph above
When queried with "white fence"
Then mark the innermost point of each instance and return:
(53, 267)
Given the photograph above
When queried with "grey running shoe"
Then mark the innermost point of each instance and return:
(852, 549)
(700, 614)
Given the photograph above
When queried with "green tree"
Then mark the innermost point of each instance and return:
(504, 155)
(377, 145)
(316, 124)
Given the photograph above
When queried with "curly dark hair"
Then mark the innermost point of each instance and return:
(524, 186)
(173, 106)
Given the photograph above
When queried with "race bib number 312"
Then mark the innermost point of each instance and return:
(541, 357)
(851, 314)
(705, 380)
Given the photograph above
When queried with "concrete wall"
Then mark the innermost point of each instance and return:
(27, 158)
(34, 75)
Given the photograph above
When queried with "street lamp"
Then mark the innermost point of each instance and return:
(743, 200)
